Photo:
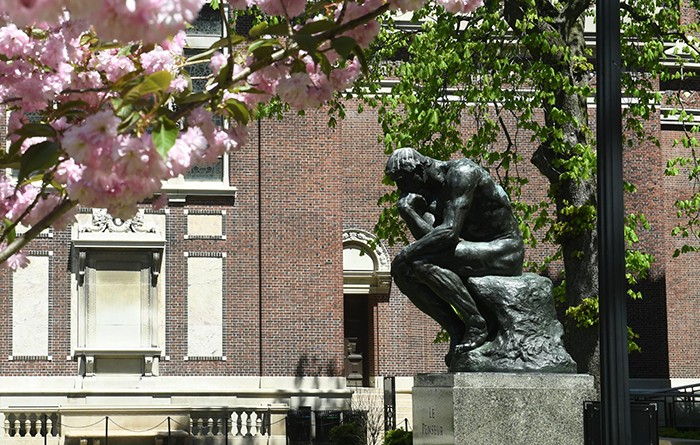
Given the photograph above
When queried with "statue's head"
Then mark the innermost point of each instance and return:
(407, 168)
(405, 159)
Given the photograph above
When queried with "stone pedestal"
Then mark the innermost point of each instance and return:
(500, 408)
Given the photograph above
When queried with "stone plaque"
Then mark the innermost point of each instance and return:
(433, 417)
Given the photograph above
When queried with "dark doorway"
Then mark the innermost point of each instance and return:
(356, 310)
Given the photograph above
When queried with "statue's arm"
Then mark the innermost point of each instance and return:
(459, 191)
(414, 211)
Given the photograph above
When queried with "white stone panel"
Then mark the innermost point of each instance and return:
(30, 309)
(204, 225)
(204, 306)
(117, 308)
(356, 259)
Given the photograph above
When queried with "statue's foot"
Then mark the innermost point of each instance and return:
(448, 358)
(476, 335)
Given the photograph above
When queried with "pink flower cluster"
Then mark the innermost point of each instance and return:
(363, 34)
(25, 205)
(38, 72)
(117, 171)
(460, 6)
(151, 21)
(284, 8)
(313, 87)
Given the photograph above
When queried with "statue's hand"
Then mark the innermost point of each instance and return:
(412, 201)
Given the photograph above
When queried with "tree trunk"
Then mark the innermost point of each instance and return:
(563, 28)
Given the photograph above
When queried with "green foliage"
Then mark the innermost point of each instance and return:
(398, 437)
(584, 314)
(518, 74)
(587, 315)
(349, 433)
(672, 432)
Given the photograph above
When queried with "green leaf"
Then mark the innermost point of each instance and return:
(164, 135)
(204, 56)
(30, 130)
(11, 234)
(158, 81)
(202, 96)
(306, 42)
(267, 44)
(344, 46)
(258, 30)
(278, 29)
(238, 110)
(317, 26)
(360, 54)
(38, 157)
(154, 83)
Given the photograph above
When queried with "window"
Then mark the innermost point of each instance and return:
(118, 304)
(118, 301)
(206, 179)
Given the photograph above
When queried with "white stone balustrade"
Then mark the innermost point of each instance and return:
(18, 423)
(242, 422)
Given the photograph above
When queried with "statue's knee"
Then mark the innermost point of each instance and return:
(399, 267)
(421, 268)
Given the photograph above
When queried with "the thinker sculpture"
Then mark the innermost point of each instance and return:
(464, 228)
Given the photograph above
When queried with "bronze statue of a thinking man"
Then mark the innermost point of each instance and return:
(464, 227)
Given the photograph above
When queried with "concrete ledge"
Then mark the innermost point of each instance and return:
(671, 441)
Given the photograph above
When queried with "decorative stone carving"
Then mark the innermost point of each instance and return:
(366, 281)
(366, 240)
(104, 222)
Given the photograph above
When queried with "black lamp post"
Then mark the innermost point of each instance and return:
(615, 403)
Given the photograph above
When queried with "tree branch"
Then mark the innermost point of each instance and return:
(36, 229)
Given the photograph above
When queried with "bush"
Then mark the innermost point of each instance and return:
(398, 437)
(676, 434)
(349, 433)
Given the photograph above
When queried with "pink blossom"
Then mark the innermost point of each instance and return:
(184, 153)
(294, 90)
(113, 64)
(86, 143)
(13, 41)
(288, 8)
(217, 61)
(407, 5)
(28, 12)
(176, 43)
(178, 85)
(266, 79)
(149, 20)
(158, 59)
(17, 261)
(460, 6)
(18, 200)
(160, 202)
(55, 51)
(344, 77)
(44, 207)
(363, 34)
(238, 4)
